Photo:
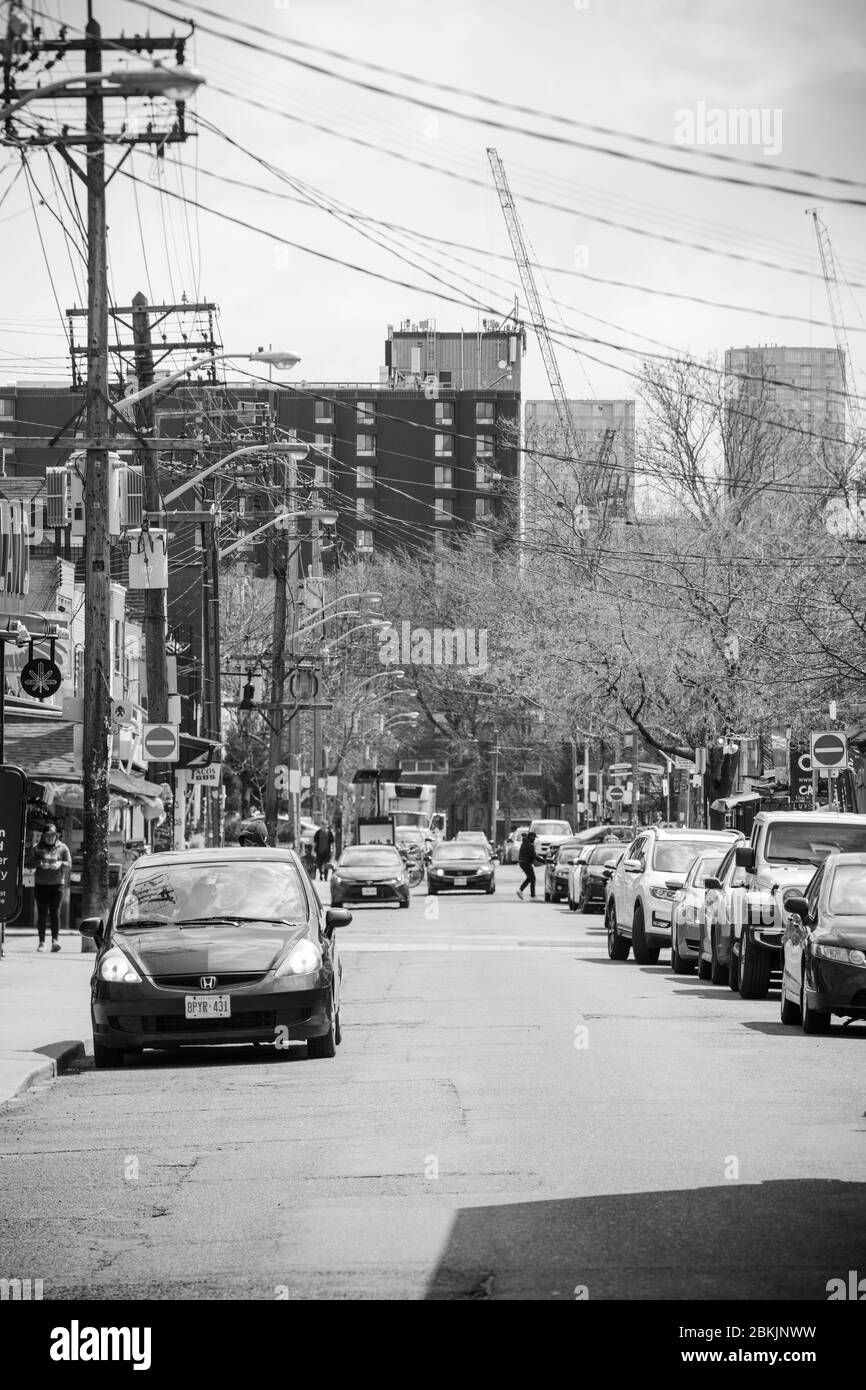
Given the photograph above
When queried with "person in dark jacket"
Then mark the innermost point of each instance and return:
(527, 859)
(53, 864)
(323, 843)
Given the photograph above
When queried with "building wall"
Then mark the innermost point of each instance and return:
(801, 387)
(547, 478)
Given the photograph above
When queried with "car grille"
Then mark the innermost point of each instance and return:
(223, 982)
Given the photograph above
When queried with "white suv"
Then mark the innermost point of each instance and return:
(550, 835)
(643, 885)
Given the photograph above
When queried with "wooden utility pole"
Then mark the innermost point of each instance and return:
(281, 562)
(155, 625)
(97, 549)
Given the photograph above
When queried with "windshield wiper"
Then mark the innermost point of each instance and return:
(233, 920)
(134, 924)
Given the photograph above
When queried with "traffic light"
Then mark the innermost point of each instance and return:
(248, 698)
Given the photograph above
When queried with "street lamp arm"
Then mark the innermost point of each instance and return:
(280, 448)
(277, 359)
(325, 517)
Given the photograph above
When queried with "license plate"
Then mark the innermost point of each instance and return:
(368, 892)
(207, 1005)
(460, 882)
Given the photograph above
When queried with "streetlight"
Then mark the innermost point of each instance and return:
(175, 84)
(375, 623)
(310, 514)
(275, 358)
(297, 451)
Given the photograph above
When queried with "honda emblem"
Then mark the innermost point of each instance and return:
(208, 981)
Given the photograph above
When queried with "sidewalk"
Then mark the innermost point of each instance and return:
(44, 1010)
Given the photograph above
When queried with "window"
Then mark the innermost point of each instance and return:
(322, 475)
(364, 509)
(484, 475)
(7, 408)
(366, 444)
(324, 443)
(363, 540)
(118, 647)
(366, 475)
(483, 509)
(484, 445)
(484, 412)
(444, 412)
(444, 446)
(444, 475)
(443, 509)
(444, 378)
(366, 413)
(324, 412)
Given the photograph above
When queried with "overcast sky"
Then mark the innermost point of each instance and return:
(633, 65)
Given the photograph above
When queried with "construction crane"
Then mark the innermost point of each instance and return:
(831, 280)
(533, 299)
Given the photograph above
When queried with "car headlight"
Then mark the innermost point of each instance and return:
(303, 959)
(840, 953)
(441, 873)
(116, 968)
(335, 877)
(667, 894)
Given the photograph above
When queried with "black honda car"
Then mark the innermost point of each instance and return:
(215, 946)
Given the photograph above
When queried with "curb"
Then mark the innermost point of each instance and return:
(57, 1058)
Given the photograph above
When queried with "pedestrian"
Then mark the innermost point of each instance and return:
(253, 834)
(53, 864)
(323, 843)
(527, 859)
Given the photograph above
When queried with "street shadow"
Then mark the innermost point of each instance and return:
(837, 1030)
(220, 1055)
(774, 1240)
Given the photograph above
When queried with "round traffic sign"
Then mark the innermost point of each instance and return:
(829, 750)
(160, 742)
(615, 794)
(41, 678)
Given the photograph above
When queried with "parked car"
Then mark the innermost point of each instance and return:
(688, 912)
(513, 843)
(374, 873)
(556, 870)
(589, 877)
(549, 836)
(727, 899)
(785, 849)
(212, 946)
(824, 946)
(461, 865)
(644, 884)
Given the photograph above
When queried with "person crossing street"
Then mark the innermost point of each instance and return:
(527, 859)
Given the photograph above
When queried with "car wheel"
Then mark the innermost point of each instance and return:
(718, 972)
(734, 967)
(680, 965)
(432, 889)
(404, 902)
(324, 1046)
(546, 896)
(618, 946)
(581, 902)
(812, 1020)
(491, 889)
(755, 969)
(338, 1032)
(703, 969)
(644, 954)
(789, 1012)
(572, 905)
(555, 896)
(106, 1058)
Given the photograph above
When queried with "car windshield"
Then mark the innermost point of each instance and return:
(848, 891)
(551, 827)
(675, 856)
(176, 893)
(471, 852)
(569, 856)
(706, 867)
(605, 854)
(809, 842)
(370, 858)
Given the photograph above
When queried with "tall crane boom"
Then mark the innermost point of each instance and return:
(831, 280)
(536, 309)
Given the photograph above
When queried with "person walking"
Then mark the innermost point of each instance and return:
(323, 843)
(527, 859)
(253, 834)
(53, 865)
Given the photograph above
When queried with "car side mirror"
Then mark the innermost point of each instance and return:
(796, 906)
(91, 926)
(713, 883)
(632, 866)
(674, 884)
(336, 917)
(744, 857)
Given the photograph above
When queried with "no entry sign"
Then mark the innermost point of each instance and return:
(615, 794)
(160, 743)
(829, 750)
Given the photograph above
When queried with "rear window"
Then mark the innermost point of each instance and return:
(802, 842)
(676, 856)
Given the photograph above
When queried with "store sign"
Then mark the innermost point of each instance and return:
(800, 772)
(13, 807)
(14, 547)
(209, 776)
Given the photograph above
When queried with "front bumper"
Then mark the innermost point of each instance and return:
(834, 987)
(344, 892)
(146, 1015)
(447, 882)
(658, 921)
(768, 939)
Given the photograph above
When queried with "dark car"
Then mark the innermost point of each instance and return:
(215, 946)
(556, 870)
(461, 865)
(589, 877)
(370, 873)
(824, 946)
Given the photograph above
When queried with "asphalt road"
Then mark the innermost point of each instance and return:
(511, 1115)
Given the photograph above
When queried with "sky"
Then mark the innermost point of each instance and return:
(643, 68)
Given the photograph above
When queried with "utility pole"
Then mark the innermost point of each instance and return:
(278, 680)
(494, 790)
(97, 549)
(155, 624)
(635, 777)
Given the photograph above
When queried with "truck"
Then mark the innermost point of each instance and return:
(413, 804)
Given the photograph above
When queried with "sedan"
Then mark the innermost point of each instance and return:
(370, 873)
(589, 876)
(824, 946)
(215, 946)
(461, 866)
(688, 910)
(557, 871)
